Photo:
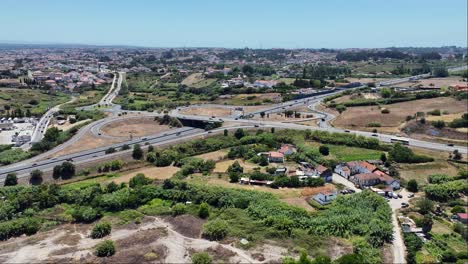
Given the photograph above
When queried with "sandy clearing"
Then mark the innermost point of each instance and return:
(134, 126)
(177, 246)
(159, 173)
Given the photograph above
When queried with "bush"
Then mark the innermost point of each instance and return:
(373, 124)
(435, 112)
(438, 124)
(101, 230)
(204, 210)
(85, 214)
(110, 150)
(139, 180)
(446, 191)
(385, 111)
(105, 249)
(458, 209)
(179, 209)
(215, 230)
(413, 245)
(201, 258)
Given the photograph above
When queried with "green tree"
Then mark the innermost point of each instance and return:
(105, 248)
(239, 133)
(36, 177)
(201, 258)
(137, 152)
(110, 150)
(324, 150)
(139, 180)
(424, 205)
(112, 187)
(67, 170)
(11, 179)
(426, 223)
(412, 185)
(225, 132)
(383, 157)
(204, 210)
(101, 230)
(340, 108)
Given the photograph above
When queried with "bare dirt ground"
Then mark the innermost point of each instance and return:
(435, 82)
(152, 172)
(135, 126)
(208, 111)
(360, 117)
(155, 240)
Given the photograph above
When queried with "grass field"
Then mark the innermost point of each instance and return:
(420, 171)
(344, 153)
(36, 101)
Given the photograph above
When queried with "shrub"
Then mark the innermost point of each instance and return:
(201, 258)
(215, 230)
(105, 249)
(110, 150)
(438, 124)
(385, 111)
(402, 154)
(435, 112)
(373, 124)
(179, 209)
(85, 214)
(139, 180)
(204, 210)
(458, 209)
(101, 230)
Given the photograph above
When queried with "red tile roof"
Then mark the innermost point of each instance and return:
(462, 215)
(276, 154)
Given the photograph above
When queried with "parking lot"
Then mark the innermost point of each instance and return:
(21, 128)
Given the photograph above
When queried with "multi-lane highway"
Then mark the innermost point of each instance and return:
(42, 161)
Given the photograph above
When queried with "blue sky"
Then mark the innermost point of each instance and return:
(237, 23)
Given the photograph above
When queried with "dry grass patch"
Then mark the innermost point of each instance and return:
(87, 142)
(207, 111)
(159, 173)
(222, 166)
(359, 117)
(215, 155)
(187, 225)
